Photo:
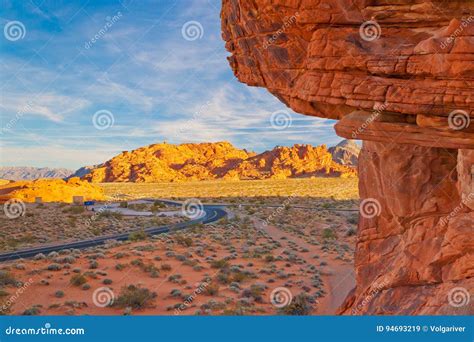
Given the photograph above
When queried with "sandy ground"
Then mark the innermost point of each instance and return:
(228, 268)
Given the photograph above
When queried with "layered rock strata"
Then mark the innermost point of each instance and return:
(398, 75)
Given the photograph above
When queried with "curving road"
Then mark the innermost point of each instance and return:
(212, 213)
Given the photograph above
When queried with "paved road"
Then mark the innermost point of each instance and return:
(213, 213)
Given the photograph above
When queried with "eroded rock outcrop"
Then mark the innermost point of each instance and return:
(206, 161)
(398, 75)
(50, 190)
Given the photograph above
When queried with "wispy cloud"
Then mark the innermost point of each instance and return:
(158, 85)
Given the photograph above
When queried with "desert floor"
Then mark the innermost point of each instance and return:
(252, 263)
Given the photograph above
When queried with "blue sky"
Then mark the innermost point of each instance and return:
(154, 80)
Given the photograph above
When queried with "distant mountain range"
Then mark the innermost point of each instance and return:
(25, 172)
(346, 153)
(221, 160)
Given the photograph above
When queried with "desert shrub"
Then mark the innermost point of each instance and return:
(123, 205)
(59, 294)
(351, 232)
(328, 234)
(134, 297)
(6, 278)
(185, 241)
(39, 256)
(219, 263)
(211, 289)
(223, 277)
(107, 281)
(269, 258)
(237, 311)
(119, 267)
(166, 267)
(74, 209)
(255, 291)
(137, 236)
(33, 311)
(175, 278)
(299, 306)
(151, 269)
(110, 214)
(137, 262)
(54, 267)
(78, 280)
(353, 219)
(176, 293)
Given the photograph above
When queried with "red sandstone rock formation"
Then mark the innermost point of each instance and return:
(398, 75)
(207, 161)
(50, 190)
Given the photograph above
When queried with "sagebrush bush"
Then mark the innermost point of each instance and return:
(134, 296)
(78, 280)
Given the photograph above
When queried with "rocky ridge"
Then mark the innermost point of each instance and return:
(27, 172)
(206, 161)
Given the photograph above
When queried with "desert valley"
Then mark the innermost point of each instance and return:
(287, 233)
(239, 158)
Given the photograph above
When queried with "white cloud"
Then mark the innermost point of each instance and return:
(51, 106)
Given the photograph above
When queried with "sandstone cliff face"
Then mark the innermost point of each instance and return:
(207, 161)
(398, 75)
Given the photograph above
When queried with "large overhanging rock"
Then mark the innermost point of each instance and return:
(398, 74)
(330, 58)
